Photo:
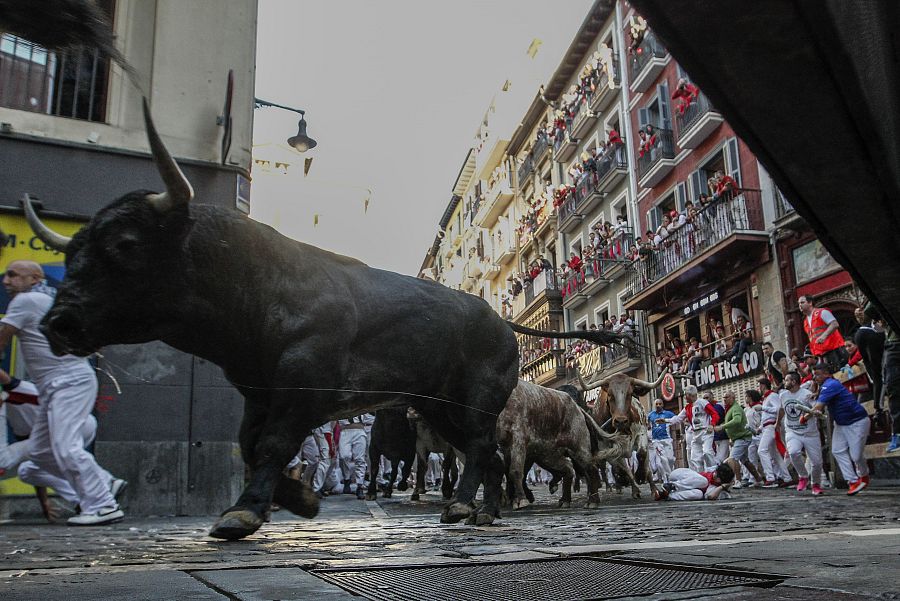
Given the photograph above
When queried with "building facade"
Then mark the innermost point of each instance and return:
(172, 431)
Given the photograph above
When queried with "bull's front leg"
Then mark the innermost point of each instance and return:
(270, 437)
(625, 468)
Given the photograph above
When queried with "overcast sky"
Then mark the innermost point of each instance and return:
(394, 92)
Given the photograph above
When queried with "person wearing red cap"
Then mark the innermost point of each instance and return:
(851, 427)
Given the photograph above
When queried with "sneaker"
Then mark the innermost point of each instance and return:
(894, 445)
(771, 484)
(360, 493)
(736, 486)
(117, 487)
(106, 515)
(857, 486)
(866, 480)
(801, 485)
(817, 490)
(347, 490)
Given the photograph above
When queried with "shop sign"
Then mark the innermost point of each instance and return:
(719, 370)
(700, 304)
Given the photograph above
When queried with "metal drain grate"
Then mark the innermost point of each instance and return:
(565, 579)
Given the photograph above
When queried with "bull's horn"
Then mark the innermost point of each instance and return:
(47, 236)
(650, 385)
(585, 387)
(178, 189)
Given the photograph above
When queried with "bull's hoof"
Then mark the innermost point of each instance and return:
(414, 496)
(593, 505)
(297, 497)
(619, 489)
(387, 493)
(236, 524)
(635, 494)
(484, 519)
(455, 512)
(553, 488)
(564, 504)
(447, 496)
(520, 503)
(402, 486)
(371, 497)
(530, 496)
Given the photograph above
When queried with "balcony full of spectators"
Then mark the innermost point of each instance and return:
(648, 58)
(601, 260)
(714, 240)
(695, 117)
(656, 155)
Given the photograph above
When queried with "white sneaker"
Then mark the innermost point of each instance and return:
(106, 515)
(117, 487)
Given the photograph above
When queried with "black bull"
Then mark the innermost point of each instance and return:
(305, 335)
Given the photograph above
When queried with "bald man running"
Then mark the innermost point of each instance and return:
(67, 389)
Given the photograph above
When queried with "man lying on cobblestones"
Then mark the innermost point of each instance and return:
(687, 485)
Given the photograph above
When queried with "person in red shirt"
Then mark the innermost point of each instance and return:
(726, 187)
(614, 137)
(575, 263)
(686, 93)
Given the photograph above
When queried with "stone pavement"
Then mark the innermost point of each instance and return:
(833, 547)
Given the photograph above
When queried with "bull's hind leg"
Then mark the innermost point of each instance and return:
(421, 468)
(374, 468)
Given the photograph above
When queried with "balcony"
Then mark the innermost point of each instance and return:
(612, 168)
(572, 289)
(584, 119)
(564, 147)
(546, 368)
(495, 202)
(726, 241)
(544, 282)
(541, 146)
(567, 217)
(784, 212)
(545, 220)
(699, 120)
(506, 252)
(601, 362)
(647, 63)
(579, 203)
(491, 270)
(525, 170)
(658, 161)
(605, 92)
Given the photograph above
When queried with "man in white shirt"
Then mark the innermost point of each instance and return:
(67, 388)
(802, 432)
(701, 416)
(769, 455)
(352, 452)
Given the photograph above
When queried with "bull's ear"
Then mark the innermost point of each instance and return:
(178, 189)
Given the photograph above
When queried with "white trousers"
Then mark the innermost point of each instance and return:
(434, 470)
(315, 453)
(14, 459)
(796, 444)
(688, 444)
(58, 444)
(722, 448)
(352, 450)
(703, 459)
(689, 485)
(848, 445)
(772, 461)
(662, 458)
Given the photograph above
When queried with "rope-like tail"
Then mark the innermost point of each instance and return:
(597, 336)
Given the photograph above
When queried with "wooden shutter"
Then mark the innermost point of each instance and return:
(698, 184)
(643, 117)
(732, 160)
(681, 196)
(665, 117)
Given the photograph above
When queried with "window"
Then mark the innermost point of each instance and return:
(70, 84)
(657, 112)
(601, 314)
(582, 324)
(726, 160)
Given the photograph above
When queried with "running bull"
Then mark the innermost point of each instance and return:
(305, 335)
(618, 406)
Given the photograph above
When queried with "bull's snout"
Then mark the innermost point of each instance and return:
(64, 332)
(620, 423)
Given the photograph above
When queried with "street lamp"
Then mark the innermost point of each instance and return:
(301, 142)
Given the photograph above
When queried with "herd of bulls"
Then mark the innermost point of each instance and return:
(307, 337)
(548, 427)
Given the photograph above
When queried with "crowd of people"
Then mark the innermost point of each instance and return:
(781, 424)
(624, 324)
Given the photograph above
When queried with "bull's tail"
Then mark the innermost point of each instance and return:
(602, 337)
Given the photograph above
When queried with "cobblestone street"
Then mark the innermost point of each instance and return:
(837, 546)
